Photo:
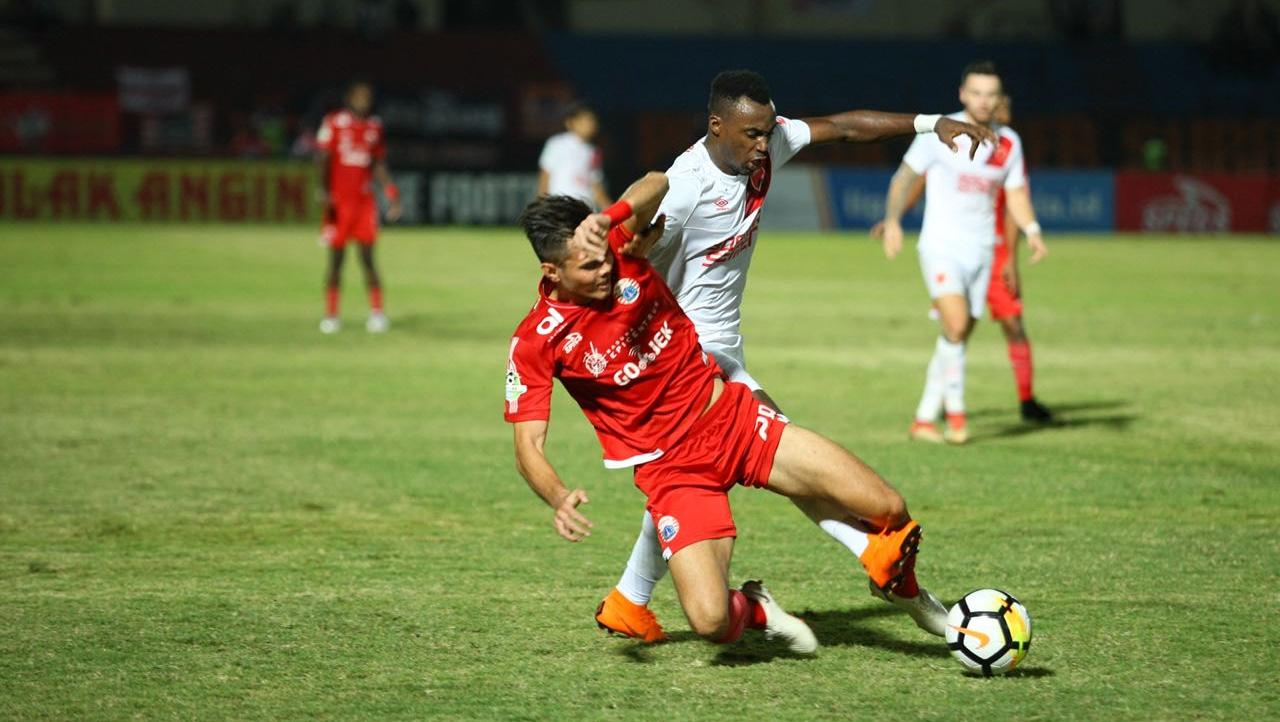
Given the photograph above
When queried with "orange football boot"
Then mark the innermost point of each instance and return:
(619, 615)
(887, 553)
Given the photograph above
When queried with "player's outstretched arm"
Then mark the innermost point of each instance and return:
(895, 206)
(1024, 214)
(870, 126)
(531, 462)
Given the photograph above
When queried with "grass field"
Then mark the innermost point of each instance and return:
(210, 511)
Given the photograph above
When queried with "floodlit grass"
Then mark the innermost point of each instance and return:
(210, 511)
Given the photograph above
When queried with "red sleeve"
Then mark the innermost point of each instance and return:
(380, 147)
(529, 370)
(619, 236)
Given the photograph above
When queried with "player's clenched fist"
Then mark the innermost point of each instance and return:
(569, 522)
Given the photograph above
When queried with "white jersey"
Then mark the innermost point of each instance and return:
(712, 219)
(960, 194)
(573, 167)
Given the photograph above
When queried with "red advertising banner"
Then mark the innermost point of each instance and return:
(1196, 202)
(94, 189)
(59, 122)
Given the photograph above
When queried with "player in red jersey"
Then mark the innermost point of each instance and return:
(610, 329)
(352, 153)
(1004, 295)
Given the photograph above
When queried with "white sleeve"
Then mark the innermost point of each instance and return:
(1017, 176)
(789, 137)
(547, 159)
(683, 192)
(921, 154)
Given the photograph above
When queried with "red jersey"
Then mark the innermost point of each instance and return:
(1002, 247)
(353, 144)
(633, 363)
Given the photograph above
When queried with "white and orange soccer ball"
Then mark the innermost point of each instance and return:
(989, 631)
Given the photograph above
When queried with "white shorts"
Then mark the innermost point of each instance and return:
(946, 275)
(728, 353)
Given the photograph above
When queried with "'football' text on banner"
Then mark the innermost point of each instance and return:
(219, 191)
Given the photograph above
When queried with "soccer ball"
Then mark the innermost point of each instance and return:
(989, 630)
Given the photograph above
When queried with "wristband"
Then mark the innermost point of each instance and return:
(618, 212)
(1032, 228)
(925, 123)
(391, 191)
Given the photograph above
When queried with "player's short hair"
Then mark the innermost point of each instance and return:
(549, 223)
(730, 85)
(980, 67)
(576, 109)
(357, 83)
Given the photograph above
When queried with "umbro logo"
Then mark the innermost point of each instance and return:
(722, 203)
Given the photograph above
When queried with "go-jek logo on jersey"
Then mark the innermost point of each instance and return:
(668, 528)
(644, 357)
(626, 291)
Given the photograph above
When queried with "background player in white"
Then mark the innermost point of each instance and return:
(958, 238)
(712, 211)
(570, 164)
(1004, 294)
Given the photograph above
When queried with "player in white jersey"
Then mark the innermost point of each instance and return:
(570, 164)
(957, 240)
(712, 213)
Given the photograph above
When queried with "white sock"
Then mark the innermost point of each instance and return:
(645, 567)
(934, 385)
(953, 375)
(854, 539)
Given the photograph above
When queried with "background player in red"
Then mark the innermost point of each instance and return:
(1004, 295)
(352, 152)
(610, 329)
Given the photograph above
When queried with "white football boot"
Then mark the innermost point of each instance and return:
(780, 625)
(330, 324)
(377, 323)
(924, 608)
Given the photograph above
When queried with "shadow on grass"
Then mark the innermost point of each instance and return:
(1058, 409)
(1066, 416)
(1019, 673)
(835, 628)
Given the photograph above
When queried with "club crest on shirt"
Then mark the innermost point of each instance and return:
(626, 291)
(515, 388)
(668, 528)
(594, 360)
(571, 341)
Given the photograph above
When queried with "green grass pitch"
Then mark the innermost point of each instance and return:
(210, 511)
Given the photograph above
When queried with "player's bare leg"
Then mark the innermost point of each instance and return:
(377, 322)
(719, 614)
(1015, 334)
(333, 285)
(820, 474)
(944, 380)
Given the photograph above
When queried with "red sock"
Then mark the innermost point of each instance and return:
(331, 301)
(375, 300)
(756, 618)
(1020, 358)
(739, 612)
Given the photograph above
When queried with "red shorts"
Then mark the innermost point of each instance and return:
(351, 218)
(687, 489)
(1001, 299)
